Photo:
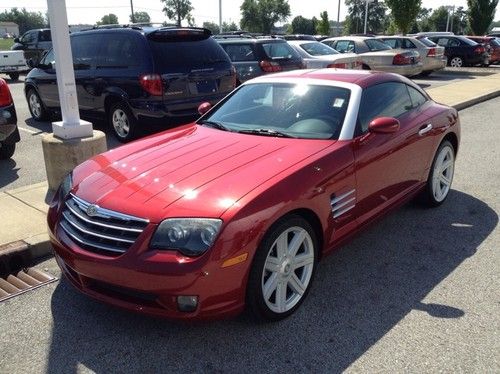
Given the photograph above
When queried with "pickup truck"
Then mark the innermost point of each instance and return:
(12, 63)
(34, 43)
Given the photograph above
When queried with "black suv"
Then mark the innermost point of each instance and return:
(253, 57)
(34, 43)
(461, 51)
(137, 76)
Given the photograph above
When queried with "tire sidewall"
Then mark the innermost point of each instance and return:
(255, 299)
(42, 115)
(131, 121)
(429, 189)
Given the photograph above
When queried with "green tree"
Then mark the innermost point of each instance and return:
(323, 27)
(481, 14)
(108, 19)
(404, 12)
(261, 15)
(438, 19)
(301, 25)
(140, 17)
(459, 21)
(214, 27)
(24, 19)
(355, 20)
(179, 10)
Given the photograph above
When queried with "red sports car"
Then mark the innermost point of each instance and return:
(238, 208)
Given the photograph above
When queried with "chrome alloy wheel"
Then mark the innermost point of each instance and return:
(120, 123)
(35, 105)
(288, 269)
(442, 174)
(456, 62)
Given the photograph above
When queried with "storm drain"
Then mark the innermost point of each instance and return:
(24, 281)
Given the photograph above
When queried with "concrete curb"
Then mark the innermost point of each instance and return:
(23, 253)
(476, 100)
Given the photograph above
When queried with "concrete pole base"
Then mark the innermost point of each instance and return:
(61, 156)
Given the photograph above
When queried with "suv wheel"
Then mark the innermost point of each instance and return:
(35, 105)
(7, 150)
(122, 121)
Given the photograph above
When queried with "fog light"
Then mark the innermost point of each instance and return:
(187, 303)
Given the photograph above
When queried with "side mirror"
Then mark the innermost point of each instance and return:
(384, 125)
(204, 107)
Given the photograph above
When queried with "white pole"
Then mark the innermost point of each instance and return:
(447, 18)
(71, 125)
(220, 16)
(366, 15)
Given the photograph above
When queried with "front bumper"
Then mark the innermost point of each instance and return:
(149, 281)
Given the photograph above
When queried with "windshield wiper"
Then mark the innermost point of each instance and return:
(215, 125)
(267, 132)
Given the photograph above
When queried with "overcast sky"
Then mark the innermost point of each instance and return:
(90, 11)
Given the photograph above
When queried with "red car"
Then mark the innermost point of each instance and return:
(238, 208)
(492, 46)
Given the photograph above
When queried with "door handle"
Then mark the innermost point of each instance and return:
(425, 129)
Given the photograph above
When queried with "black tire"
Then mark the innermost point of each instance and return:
(426, 73)
(14, 76)
(428, 196)
(256, 303)
(122, 122)
(456, 61)
(36, 106)
(7, 150)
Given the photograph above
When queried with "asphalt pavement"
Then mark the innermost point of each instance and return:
(417, 292)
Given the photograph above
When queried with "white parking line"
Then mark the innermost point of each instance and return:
(31, 131)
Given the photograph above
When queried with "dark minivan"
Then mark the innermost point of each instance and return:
(137, 77)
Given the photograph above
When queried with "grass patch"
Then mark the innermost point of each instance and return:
(5, 44)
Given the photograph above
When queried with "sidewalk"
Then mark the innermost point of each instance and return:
(23, 233)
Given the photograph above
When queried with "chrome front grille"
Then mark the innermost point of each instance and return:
(100, 230)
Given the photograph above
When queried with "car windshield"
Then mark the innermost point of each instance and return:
(318, 49)
(298, 110)
(376, 45)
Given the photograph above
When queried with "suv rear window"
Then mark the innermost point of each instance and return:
(279, 50)
(173, 54)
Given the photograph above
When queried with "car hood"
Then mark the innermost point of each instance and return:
(192, 171)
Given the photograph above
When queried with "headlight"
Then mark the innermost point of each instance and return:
(66, 185)
(190, 236)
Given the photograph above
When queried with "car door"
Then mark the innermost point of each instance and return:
(28, 41)
(388, 166)
(46, 81)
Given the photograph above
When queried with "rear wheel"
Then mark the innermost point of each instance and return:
(35, 105)
(441, 175)
(14, 76)
(456, 62)
(122, 122)
(282, 270)
(7, 150)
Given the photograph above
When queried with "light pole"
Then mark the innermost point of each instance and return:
(220, 16)
(366, 13)
(448, 7)
(338, 17)
(132, 10)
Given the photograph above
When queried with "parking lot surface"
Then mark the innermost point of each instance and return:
(418, 291)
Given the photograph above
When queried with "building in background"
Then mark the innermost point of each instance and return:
(10, 29)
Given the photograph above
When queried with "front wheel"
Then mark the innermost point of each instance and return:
(441, 175)
(283, 269)
(35, 105)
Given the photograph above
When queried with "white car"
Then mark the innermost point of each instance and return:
(317, 55)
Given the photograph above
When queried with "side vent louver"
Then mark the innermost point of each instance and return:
(343, 203)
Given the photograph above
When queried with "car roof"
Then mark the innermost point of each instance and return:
(360, 38)
(362, 78)
(250, 40)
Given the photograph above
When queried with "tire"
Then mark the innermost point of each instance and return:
(7, 150)
(276, 272)
(456, 62)
(426, 73)
(35, 105)
(440, 176)
(122, 122)
(14, 76)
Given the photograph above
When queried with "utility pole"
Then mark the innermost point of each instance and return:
(220, 16)
(338, 19)
(132, 9)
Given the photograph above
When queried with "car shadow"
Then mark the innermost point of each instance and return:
(360, 293)
(8, 172)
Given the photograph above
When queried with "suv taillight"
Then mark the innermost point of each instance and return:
(152, 84)
(269, 66)
(5, 96)
(479, 50)
(401, 59)
(432, 52)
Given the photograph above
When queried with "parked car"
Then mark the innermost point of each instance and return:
(253, 57)
(237, 208)
(431, 55)
(461, 51)
(9, 133)
(376, 55)
(137, 77)
(492, 45)
(298, 37)
(12, 63)
(317, 55)
(34, 43)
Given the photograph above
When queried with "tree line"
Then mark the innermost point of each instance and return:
(261, 16)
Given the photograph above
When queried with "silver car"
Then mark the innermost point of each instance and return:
(317, 55)
(431, 54)
(376, 55)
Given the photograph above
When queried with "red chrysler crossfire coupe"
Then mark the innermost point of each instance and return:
(236, 209)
